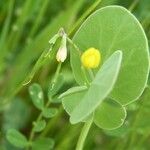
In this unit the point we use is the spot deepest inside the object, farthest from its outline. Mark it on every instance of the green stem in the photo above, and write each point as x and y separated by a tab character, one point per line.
6	27
57	73
52	123
80	20
87	82
74	45
37	120
133	5
91	74
39	18
84	134
32	133
66	139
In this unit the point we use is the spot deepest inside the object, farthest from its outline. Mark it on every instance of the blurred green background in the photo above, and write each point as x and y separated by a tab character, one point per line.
25	29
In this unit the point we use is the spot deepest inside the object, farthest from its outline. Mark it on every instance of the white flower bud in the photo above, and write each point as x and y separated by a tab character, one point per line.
62	52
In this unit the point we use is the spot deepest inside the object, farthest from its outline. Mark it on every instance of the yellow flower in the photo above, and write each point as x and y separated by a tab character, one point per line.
91	58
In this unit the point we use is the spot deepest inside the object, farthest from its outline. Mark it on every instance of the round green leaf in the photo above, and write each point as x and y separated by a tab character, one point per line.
99	89
54	88
109	115
49	112
16	138
43	144
119	132
39	126
109	29
36	94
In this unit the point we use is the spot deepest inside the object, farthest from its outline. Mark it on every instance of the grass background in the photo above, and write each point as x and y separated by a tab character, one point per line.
25	29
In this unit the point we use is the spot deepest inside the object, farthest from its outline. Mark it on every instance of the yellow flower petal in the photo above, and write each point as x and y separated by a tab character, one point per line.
91	58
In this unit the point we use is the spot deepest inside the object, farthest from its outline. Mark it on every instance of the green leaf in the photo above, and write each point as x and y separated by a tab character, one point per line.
36	94
72	100
54	88
54	39
39	126
49	112
99	89
109	115
19	111
108	29
73	90
119	132
43	144
16	138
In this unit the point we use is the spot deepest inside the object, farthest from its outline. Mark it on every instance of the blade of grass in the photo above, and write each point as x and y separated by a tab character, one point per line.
39	18
5	30
15	35
84	16
133	5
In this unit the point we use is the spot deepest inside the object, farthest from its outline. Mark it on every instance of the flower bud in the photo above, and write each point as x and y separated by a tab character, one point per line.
62	52
91	58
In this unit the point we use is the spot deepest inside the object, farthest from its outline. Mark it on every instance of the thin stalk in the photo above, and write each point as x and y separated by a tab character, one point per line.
15	34
39	18
4	33
32	133
84	134
133	5
51	123
74	45
57	73
80	20
72	133
6	25
37	120
87	82
91	73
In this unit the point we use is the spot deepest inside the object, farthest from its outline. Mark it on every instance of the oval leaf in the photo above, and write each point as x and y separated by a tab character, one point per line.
54	88
49	112
16	138
108	29
36	94
109	115
43	144
99	89
72	100
73	90
39	126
